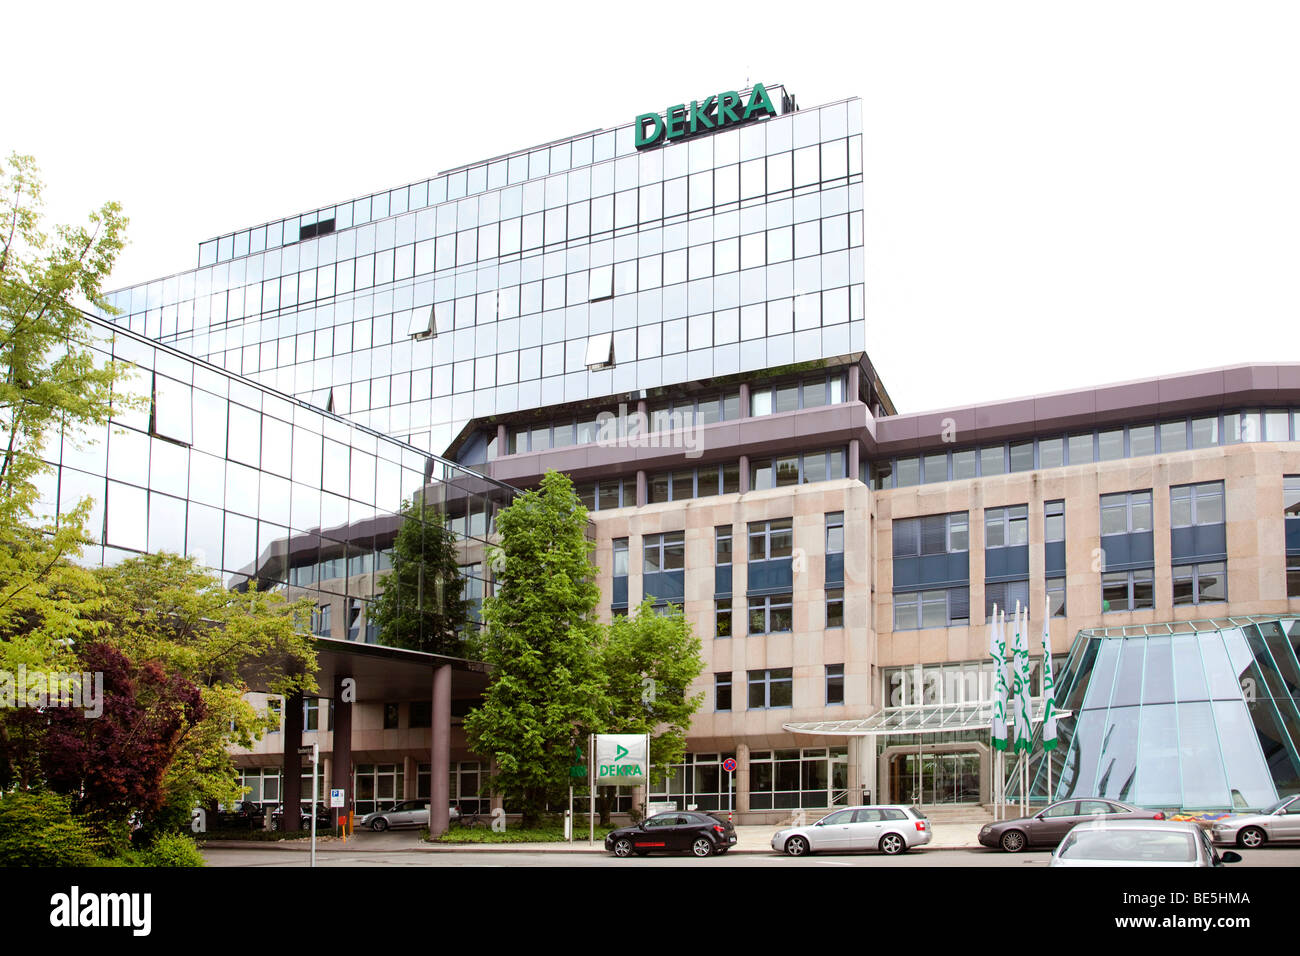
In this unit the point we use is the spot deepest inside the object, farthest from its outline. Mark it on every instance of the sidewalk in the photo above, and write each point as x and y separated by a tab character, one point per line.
749	839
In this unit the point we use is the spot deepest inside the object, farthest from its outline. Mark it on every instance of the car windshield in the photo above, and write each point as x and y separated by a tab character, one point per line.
1278	806
1137	846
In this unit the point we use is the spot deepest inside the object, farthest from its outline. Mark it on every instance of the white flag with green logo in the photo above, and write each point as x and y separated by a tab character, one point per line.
621	760
1020	650
998	651
1049	692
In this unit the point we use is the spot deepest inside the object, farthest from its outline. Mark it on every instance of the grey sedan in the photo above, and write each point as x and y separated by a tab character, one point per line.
1280	822
889	829
408	813
1048	827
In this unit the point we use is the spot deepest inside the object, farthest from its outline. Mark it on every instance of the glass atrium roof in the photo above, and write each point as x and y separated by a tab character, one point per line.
1192	714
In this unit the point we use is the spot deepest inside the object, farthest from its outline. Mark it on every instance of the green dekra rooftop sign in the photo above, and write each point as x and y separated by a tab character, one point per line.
716	112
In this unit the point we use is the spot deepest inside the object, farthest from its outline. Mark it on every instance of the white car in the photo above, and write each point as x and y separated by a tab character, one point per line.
1152	843
889	829
1280	822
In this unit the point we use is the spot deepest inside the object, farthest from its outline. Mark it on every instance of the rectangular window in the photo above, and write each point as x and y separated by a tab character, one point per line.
722	545
1005	594
835	533
390	716
1056	597
722	617
1006	527
722	691
771	539
834	683
771	688
1200	583
932	534
421	713
1126	512
1196	504
1128	590
834	607
1053	521
311	714
620	557
664	552
942	607
771	613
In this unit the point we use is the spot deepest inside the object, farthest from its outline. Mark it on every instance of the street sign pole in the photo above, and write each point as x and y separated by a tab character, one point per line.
314	750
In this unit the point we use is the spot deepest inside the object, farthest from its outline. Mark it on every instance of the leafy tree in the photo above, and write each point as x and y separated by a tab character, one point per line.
50	382
543	641
422	605
649	660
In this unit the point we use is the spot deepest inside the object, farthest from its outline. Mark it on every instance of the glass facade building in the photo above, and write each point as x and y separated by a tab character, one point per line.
258	487
584	269
1202	715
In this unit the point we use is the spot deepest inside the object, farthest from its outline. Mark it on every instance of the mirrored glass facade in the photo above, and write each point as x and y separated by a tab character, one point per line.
1199	715
488	290
259	487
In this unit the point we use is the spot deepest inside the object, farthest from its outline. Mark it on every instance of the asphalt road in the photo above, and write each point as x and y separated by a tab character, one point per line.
1269	856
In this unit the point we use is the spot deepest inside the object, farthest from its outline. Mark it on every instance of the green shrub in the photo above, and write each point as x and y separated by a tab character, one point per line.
172	849
38	829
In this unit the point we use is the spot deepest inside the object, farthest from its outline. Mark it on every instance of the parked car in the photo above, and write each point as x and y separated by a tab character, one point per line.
324	817
407	813
1048	826
1154	843
678	831
1280	822
889	829
242	816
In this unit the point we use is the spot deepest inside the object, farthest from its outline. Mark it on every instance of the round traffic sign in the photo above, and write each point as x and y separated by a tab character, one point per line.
729	765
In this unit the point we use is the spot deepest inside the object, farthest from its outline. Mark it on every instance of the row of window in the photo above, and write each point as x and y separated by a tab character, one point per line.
774	688
579	168
1109	444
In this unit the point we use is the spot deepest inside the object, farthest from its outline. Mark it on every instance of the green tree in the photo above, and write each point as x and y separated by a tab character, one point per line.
51	382
543	641
422	605
649	660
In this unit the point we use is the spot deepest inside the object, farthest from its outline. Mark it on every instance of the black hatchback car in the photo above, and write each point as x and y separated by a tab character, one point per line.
677	831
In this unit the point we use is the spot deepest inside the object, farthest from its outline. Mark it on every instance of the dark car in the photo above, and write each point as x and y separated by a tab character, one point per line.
675	832
243	816
1048	827
324	818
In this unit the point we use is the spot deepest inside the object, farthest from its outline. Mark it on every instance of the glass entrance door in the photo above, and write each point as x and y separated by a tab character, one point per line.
932	779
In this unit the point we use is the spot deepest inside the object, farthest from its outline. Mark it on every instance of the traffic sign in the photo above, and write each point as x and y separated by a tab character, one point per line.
336	799
729	765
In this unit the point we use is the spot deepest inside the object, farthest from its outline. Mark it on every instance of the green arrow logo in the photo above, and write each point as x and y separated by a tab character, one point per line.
620	751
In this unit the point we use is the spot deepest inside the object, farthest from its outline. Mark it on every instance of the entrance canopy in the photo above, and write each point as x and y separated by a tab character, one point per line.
936	719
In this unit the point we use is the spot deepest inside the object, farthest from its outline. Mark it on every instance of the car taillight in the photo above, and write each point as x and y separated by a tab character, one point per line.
718	829
920	826
1159	815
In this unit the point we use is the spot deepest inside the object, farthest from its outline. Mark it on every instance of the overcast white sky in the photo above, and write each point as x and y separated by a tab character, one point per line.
1057	195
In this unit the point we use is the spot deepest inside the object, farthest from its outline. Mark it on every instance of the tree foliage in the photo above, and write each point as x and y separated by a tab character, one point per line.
543	641
558	674
422	605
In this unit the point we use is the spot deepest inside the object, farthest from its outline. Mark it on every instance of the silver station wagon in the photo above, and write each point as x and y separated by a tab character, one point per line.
889	829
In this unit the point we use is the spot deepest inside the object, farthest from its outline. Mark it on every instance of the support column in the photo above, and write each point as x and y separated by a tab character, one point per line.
744	402
744	474
855	377
410	778
642	494
862	770
742	778
440	755
855	454
291	766
341	778
502	438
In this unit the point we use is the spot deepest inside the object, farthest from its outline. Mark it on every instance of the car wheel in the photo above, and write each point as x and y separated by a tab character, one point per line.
379	824
1251	837
623	847
892	843
1013	841
702	847
797	846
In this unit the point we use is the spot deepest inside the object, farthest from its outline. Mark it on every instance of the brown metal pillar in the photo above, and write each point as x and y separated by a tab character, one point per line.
342	769
291	767
440	757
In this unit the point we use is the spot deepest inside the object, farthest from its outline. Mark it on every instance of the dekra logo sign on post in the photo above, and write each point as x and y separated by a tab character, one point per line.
716	112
